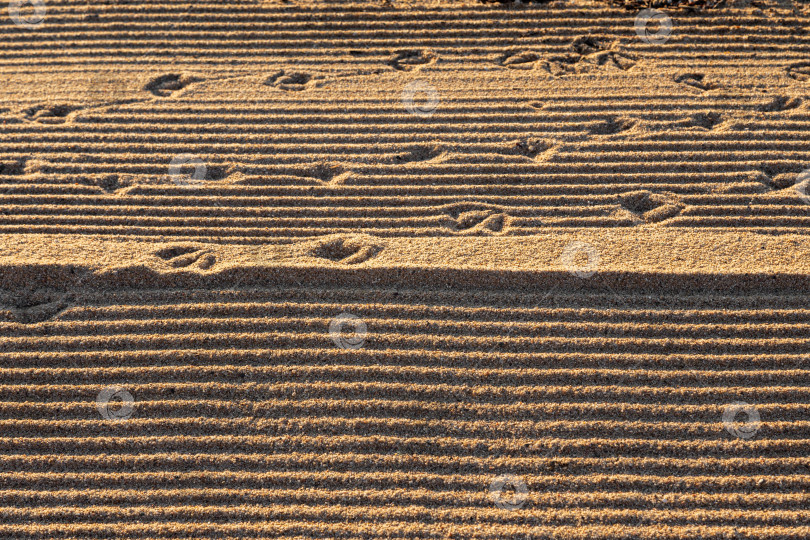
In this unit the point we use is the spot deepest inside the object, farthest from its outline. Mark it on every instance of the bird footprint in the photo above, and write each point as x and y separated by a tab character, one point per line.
799	72
585	52
781	103
707	120
697	80
411	60
294	81
33	306
473	218
327	172
187	256
168	84
649	207
612	126
616	59
49	114
598	52
343	249
585	45
531	148
420	153
561	65
518	60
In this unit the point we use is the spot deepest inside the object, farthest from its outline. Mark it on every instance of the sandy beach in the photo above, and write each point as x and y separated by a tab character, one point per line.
404	269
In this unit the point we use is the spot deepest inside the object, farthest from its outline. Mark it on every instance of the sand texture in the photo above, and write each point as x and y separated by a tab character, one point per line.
543	118
404	269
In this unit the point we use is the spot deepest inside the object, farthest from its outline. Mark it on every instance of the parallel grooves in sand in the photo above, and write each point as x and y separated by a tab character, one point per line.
236	433
604	134
249	419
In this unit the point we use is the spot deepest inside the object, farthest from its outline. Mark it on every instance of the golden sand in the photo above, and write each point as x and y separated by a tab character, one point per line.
404	269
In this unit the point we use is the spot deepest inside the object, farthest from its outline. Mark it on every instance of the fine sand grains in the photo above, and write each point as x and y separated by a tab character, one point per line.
392	412
274	121
404	269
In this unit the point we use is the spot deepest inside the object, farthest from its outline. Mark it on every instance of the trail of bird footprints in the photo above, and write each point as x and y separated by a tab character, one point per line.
340	179
33	305
585	54
163	86
344	249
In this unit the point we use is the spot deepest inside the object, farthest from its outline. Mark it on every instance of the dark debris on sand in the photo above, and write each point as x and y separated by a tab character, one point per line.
668	4
514	1
636	4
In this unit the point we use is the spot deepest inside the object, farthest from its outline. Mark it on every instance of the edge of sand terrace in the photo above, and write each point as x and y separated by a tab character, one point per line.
647	260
